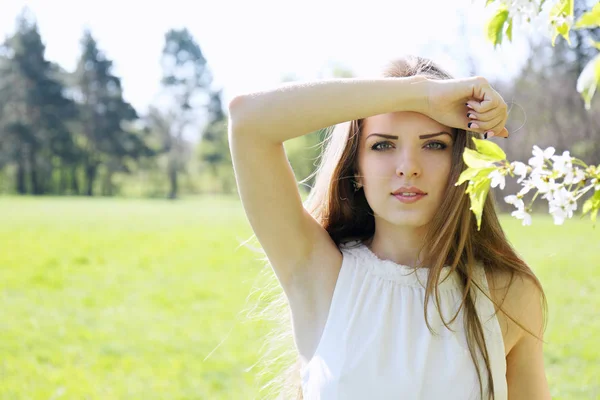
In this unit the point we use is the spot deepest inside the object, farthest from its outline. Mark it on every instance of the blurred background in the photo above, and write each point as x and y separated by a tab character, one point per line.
122	269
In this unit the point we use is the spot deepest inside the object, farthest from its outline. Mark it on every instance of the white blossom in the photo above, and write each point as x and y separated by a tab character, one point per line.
498	179
559	215
515	201
522	10
561	205
519	169
587	79
559	20
543	183
562	164
552	188
522	214
574	176
527	186
540	156
528	18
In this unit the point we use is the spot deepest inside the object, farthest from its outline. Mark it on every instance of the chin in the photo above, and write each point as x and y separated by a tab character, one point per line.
413	220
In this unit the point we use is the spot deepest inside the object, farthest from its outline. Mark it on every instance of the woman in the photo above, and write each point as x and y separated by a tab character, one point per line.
393	292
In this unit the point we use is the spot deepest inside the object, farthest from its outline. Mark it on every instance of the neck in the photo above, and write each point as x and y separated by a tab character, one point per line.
400	244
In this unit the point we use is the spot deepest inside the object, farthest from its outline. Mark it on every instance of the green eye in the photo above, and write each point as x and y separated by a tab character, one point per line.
436	145
376	146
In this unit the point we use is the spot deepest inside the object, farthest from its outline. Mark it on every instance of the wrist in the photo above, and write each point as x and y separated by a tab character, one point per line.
419	98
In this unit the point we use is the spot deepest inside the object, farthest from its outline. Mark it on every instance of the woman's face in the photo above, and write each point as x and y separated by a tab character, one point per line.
414	153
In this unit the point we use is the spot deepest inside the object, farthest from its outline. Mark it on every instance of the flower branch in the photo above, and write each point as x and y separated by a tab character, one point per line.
561	180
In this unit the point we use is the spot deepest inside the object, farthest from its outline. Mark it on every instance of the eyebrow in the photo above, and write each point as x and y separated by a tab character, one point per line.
428	136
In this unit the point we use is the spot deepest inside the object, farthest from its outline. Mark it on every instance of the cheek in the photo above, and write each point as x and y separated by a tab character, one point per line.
439	169
444	172
375	168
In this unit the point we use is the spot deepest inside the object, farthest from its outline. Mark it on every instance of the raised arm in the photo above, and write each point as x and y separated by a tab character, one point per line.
259	124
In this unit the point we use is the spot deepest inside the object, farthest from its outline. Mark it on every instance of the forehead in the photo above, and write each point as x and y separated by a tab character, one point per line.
407	122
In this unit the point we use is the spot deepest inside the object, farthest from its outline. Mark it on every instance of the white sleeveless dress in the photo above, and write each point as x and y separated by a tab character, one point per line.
376	345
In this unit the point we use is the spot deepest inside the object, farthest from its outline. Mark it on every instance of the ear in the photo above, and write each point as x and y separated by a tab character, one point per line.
358	178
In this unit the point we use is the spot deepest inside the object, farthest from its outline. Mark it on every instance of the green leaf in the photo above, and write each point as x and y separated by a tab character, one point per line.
467	175
490	149
474	159
592	205
590	19
562	30
478	193
481	163
564	8
587	206
472	174
496	26
589	80
488	2
509	29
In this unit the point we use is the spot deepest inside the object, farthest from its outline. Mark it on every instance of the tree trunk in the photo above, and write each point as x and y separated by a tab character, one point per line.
90	175
21	187
107	185
62	181
172	182
33	173
74	182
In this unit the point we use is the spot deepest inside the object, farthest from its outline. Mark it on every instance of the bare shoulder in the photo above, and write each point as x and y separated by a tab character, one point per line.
520	300
522	322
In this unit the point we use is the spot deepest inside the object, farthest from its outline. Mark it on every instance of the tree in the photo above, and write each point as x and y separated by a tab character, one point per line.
186	82
214	147
103	114
34	110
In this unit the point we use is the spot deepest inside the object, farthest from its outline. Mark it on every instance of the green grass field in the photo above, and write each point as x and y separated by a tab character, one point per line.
124	299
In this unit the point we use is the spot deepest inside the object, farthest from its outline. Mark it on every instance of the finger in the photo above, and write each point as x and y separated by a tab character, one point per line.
486	105
499	131
473	127
490	125
476	106
482	106
486	116
504	133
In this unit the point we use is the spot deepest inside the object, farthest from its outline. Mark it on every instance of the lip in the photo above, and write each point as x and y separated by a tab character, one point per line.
409	199
405	189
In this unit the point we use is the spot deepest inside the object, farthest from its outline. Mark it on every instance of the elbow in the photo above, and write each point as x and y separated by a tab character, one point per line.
235	103
235	113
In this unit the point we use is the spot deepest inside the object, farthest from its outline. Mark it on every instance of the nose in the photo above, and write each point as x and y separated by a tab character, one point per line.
409	165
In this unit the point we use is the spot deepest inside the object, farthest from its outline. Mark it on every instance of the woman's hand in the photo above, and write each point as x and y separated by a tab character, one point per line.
486	111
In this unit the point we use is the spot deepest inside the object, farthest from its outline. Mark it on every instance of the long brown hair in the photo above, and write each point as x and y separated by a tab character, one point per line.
452	239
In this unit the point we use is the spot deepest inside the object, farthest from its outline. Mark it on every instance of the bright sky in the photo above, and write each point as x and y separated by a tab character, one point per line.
251	45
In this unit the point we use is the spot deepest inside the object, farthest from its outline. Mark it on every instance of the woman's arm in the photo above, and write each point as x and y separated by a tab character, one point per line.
296	109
